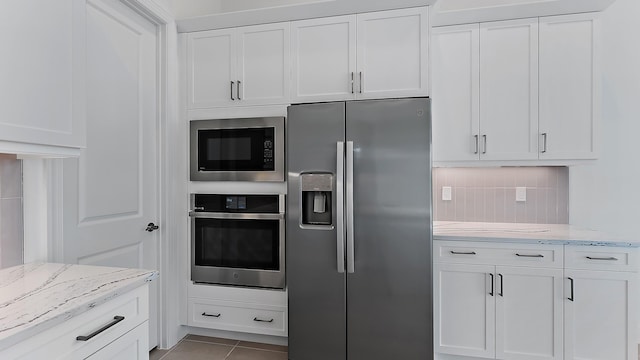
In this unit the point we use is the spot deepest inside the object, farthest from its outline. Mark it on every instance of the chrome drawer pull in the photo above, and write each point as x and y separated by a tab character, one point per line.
611	258
570	298
261	320
116	319
530	256
463	252
211	315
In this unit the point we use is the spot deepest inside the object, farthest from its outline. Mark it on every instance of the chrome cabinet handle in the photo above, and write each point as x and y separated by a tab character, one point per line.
352	81
570	298
491	292
232	90
611	258
116	319
484	149
477	144
340	205
360	82
462	252
544	143
501	293
530	256
262	320
238	90
211	315
351	267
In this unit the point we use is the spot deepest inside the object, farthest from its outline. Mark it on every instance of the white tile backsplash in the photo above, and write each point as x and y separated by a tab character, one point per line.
11	211
488	194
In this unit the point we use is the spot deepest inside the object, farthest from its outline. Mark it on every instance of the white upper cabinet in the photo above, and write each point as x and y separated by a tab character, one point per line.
241	66
516	90
324	59
392	53
365	56
42	72
509	90
455	84
569	86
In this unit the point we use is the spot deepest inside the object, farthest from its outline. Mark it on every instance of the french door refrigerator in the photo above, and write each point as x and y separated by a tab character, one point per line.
358	240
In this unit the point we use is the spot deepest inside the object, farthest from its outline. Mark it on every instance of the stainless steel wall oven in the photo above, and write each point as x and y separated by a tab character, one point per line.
238	240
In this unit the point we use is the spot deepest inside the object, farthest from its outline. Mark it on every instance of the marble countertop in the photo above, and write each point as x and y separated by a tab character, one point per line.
35	297
559	234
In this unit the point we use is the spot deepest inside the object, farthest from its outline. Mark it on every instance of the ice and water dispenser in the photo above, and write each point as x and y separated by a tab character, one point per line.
317	193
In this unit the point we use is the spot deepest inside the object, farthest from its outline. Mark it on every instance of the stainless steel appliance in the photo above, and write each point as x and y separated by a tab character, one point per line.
237	149
359	230
238	240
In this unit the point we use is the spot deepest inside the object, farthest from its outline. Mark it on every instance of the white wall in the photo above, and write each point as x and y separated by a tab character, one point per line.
606	195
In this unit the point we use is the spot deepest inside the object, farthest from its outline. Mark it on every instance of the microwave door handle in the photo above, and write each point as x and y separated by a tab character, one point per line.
246	216
340	206
351	267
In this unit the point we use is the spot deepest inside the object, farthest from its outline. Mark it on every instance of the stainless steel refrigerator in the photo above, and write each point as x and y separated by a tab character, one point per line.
358	240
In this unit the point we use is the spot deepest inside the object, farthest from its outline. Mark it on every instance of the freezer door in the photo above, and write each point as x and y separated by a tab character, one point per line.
316	287
389	291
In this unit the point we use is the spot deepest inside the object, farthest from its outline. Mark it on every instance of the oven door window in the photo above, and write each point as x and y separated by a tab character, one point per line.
242	244
249	149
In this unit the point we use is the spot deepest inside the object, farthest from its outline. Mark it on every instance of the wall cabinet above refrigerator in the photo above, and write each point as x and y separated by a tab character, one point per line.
517	90
42	72
371	55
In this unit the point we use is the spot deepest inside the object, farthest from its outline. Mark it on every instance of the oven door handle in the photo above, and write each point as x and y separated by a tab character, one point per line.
242	216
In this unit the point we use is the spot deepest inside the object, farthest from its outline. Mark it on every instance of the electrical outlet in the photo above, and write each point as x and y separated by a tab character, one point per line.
446	193
521	194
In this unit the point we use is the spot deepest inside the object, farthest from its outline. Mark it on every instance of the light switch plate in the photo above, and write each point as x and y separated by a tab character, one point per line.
521	194
446	193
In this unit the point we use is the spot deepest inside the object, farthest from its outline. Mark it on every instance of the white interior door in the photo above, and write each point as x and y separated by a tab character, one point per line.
110	192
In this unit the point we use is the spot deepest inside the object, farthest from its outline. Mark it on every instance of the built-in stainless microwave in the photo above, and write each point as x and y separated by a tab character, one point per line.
247	149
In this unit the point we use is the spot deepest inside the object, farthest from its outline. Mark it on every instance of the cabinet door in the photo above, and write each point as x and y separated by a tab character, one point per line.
464	310
130	346
263	64
392	53
600	318
528	313
569	86
324	59
509	90
42	75
455	84
211	68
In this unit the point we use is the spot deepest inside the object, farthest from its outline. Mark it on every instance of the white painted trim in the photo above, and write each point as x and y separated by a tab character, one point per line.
37	150
293	12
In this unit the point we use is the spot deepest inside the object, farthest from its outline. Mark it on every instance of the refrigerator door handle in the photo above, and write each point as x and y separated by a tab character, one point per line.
340	205
351	268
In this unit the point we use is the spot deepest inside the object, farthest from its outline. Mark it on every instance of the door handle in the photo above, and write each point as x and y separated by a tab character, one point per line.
544	143
211	315
530	255
340	206
477	144
238	90
352	81
151	226
501	293
610	258
484	149
351	267
262	320
360	82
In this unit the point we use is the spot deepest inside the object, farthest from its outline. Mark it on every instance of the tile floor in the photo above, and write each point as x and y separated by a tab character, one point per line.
194	347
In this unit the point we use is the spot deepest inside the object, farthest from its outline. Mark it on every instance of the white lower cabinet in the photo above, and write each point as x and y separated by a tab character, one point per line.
117	329
525	302
600	320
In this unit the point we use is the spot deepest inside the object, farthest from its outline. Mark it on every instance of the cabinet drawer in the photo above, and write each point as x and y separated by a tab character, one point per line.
234	316
601	258
60	341
492	253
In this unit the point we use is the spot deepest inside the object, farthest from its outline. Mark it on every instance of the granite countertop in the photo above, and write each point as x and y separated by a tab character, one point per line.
559	234
35	297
